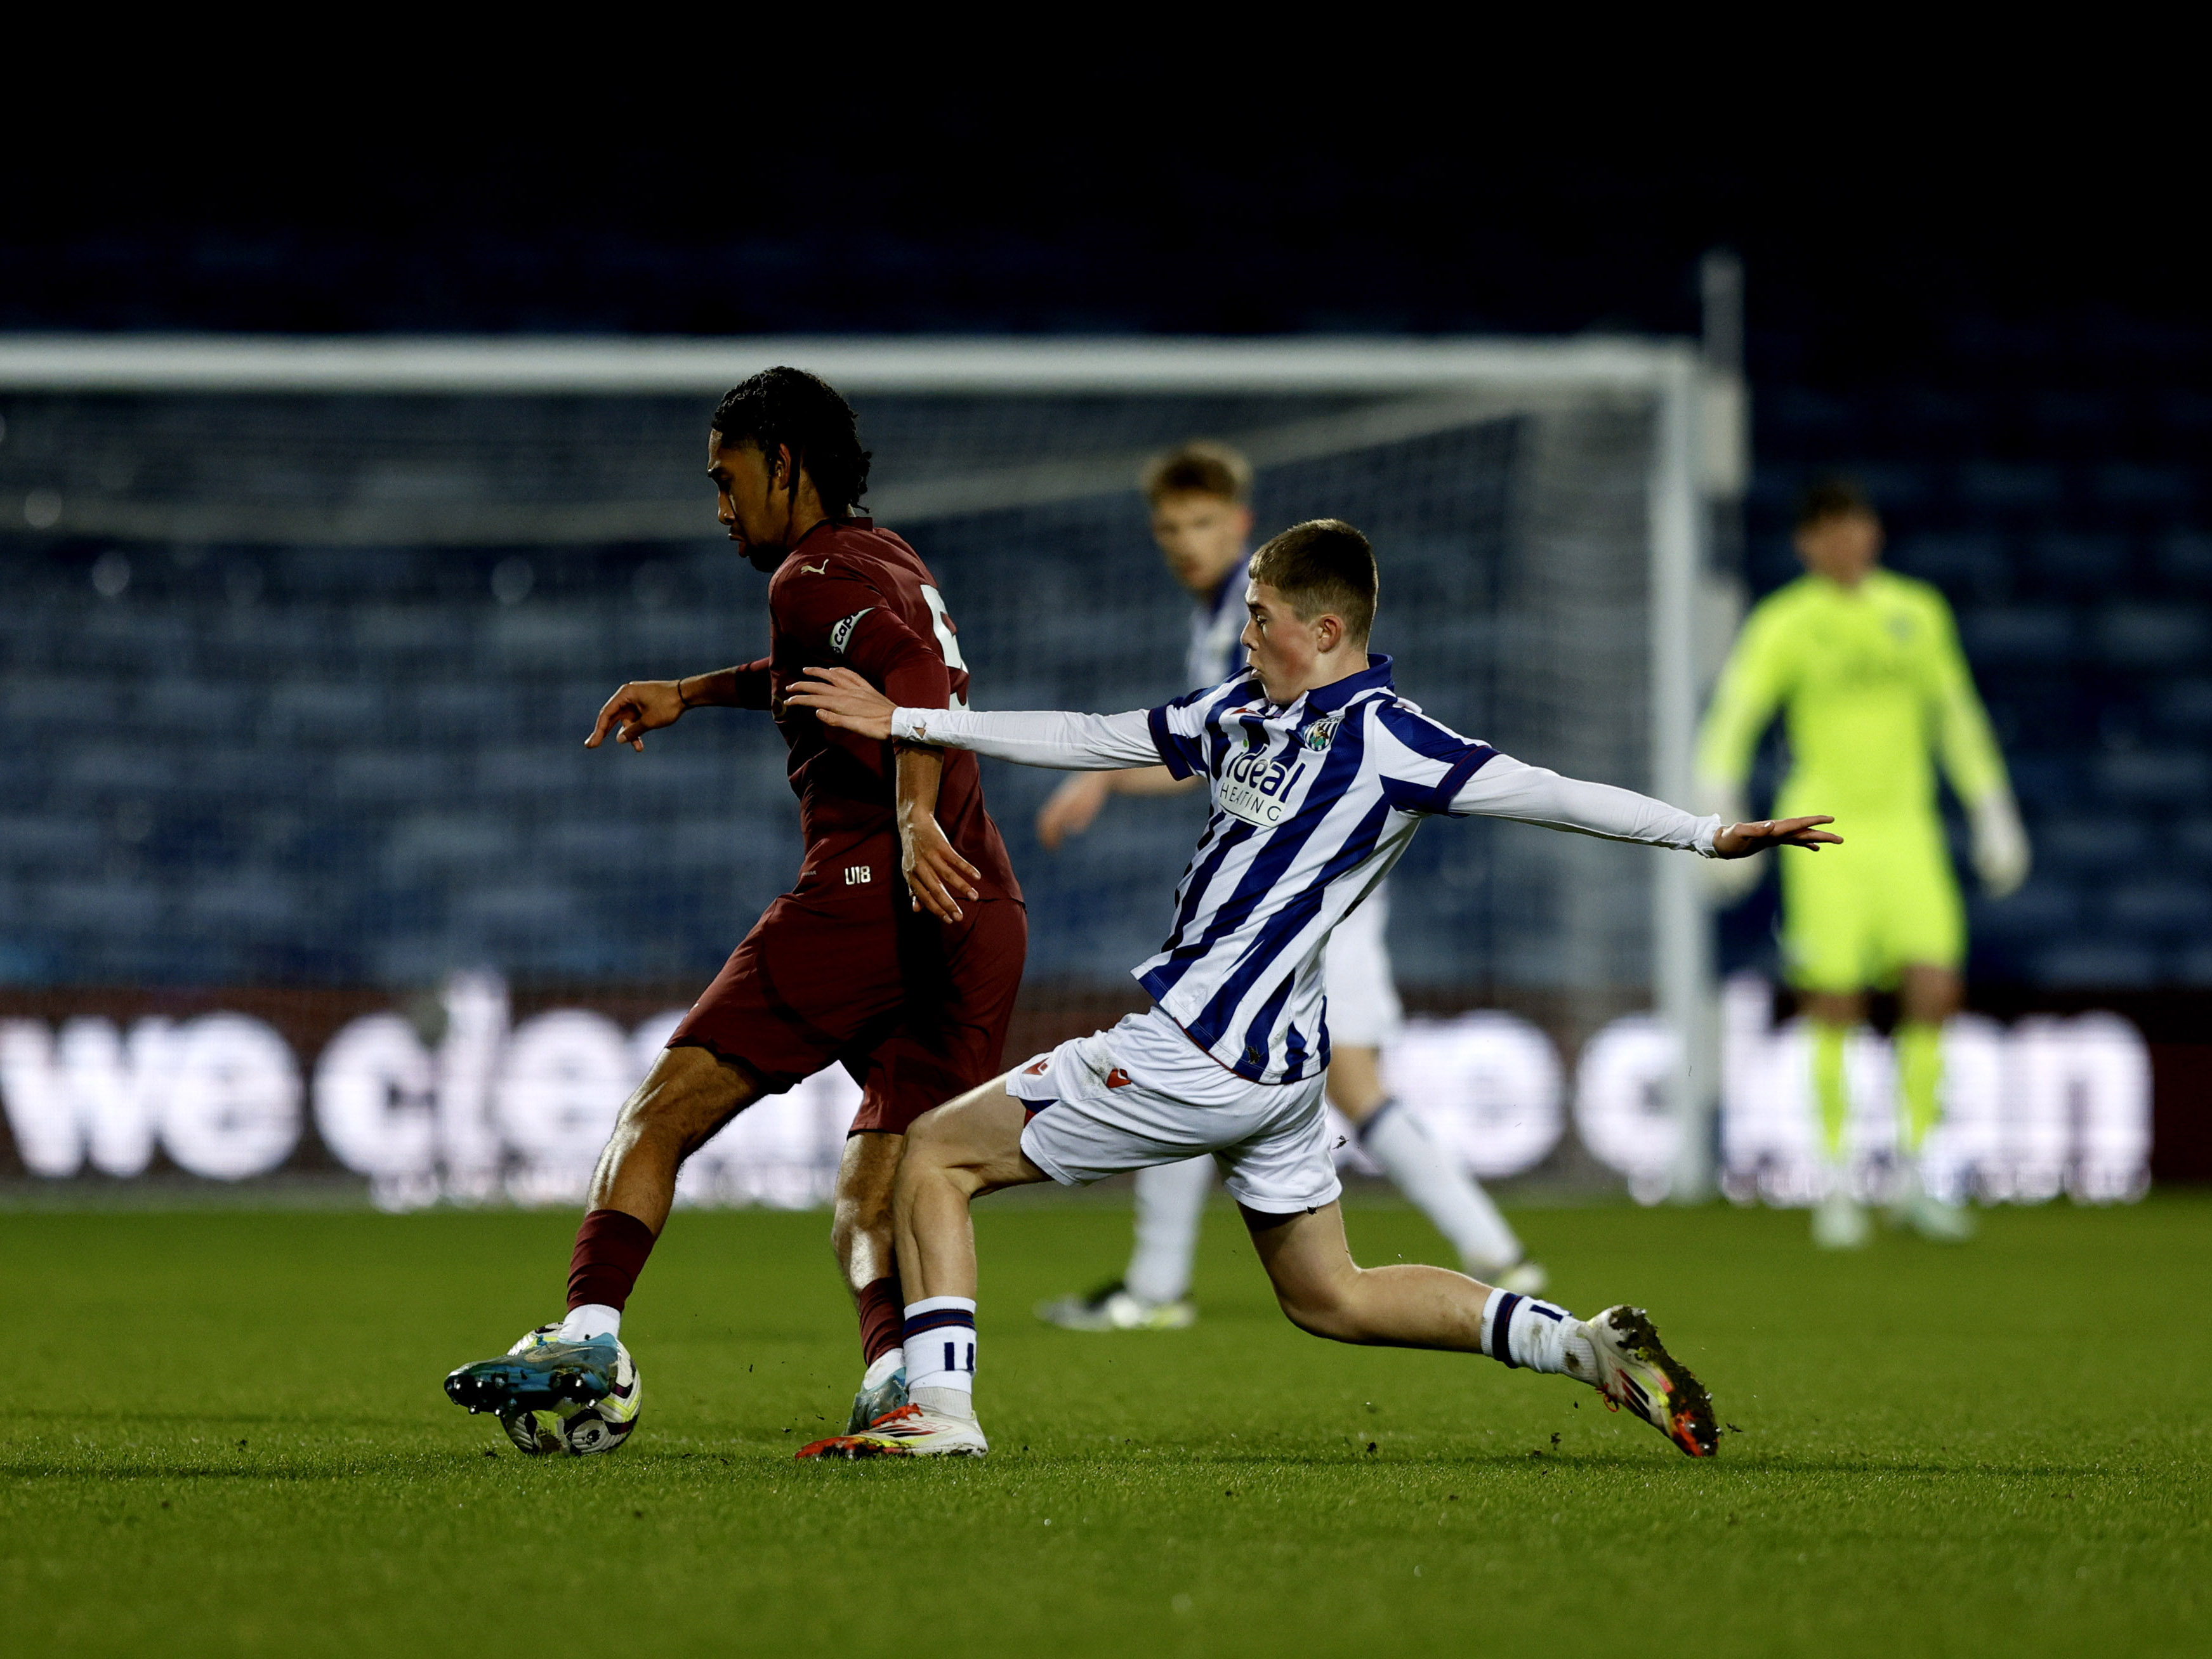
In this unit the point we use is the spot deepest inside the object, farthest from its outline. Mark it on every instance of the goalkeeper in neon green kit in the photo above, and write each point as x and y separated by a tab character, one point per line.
1864	667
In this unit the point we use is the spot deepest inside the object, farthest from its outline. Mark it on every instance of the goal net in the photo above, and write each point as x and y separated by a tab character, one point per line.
304	641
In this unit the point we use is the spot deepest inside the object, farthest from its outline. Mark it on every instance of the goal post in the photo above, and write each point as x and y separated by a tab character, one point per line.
1539	506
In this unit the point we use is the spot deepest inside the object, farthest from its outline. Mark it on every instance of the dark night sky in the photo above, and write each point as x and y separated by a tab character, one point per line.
1869	247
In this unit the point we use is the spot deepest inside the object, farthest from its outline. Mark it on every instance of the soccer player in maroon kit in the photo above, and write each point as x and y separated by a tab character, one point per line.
897	953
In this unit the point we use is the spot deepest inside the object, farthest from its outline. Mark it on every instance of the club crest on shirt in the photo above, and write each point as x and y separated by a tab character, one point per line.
1321	733
842	634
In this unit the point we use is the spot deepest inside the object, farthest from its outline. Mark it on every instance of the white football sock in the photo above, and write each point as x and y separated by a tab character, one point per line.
1461	1211
881	1372
592	1319
1540	1335
1171	1199
940	1354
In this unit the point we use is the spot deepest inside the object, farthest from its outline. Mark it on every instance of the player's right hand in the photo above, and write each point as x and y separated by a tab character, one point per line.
934	869
640	707
1072	808
1741	841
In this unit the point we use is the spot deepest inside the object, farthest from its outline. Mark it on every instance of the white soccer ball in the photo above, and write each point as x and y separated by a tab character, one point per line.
578	1429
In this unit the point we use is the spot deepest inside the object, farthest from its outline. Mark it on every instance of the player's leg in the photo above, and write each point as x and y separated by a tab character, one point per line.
948	1040
1453	1200
1363	1015
537	1386
790	996
1925	933
951	1156
1324	1292
1826	946
866	1250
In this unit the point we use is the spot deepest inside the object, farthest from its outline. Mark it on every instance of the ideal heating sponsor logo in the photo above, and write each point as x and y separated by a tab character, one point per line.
1261	788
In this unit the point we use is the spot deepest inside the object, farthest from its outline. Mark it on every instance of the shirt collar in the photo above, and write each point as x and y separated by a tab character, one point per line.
1375	677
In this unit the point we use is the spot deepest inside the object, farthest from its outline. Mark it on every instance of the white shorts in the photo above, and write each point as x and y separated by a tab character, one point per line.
1145	1094
1363	1010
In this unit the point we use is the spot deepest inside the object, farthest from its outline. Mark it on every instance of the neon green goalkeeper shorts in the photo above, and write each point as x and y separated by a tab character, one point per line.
1852	916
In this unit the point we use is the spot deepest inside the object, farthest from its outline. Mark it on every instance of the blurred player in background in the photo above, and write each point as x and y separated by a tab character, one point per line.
898	951
1201	500
1864	667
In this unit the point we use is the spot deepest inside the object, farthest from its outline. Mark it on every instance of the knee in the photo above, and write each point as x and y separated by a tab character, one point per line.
933	1146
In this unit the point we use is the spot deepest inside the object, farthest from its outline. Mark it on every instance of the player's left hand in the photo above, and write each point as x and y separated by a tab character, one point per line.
934	869
840	697
1741	841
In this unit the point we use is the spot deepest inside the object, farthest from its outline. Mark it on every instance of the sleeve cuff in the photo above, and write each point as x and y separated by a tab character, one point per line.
1708	827
1170	750
911	725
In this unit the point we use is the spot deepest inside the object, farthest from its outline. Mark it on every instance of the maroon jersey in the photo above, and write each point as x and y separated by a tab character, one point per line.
855	595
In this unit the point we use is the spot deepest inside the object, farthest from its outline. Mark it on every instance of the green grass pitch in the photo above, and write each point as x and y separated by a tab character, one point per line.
224	1433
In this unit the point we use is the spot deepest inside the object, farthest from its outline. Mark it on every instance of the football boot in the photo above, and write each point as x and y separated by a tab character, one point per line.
909	1431
1914	1206
1839	1222
1633	1369
541	1372
877	1400
1113	1308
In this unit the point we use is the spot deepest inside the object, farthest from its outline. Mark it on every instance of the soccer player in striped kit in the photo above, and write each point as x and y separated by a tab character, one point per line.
1200	496
1320	774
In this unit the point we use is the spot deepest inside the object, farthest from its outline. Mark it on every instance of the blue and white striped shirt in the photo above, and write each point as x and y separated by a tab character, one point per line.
1313	802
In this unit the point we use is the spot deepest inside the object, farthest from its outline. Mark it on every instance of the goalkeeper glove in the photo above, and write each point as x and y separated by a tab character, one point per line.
2000	854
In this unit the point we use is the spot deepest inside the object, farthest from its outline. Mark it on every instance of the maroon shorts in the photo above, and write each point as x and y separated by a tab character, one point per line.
914	1008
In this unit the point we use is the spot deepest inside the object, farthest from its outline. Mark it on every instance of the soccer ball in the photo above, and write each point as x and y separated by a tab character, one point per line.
578	1428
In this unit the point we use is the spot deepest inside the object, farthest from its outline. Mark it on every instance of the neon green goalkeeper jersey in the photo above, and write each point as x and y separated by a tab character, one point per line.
1872	688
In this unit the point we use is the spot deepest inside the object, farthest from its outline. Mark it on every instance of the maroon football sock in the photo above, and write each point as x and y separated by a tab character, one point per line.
882	1319
612	1247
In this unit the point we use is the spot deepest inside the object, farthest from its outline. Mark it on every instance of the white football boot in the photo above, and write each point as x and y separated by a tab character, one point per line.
909	1431
1113	1308
1839	1222
1913	1206
1636	1371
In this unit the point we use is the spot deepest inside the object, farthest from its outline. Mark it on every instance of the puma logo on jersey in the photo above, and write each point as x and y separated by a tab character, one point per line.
842	634
821	569
1118	1078
858	875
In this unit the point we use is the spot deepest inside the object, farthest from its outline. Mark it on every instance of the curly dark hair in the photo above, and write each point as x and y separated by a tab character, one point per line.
785	405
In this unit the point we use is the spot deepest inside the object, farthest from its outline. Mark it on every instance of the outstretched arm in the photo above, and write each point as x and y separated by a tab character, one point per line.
644	706
1504	787
1076	743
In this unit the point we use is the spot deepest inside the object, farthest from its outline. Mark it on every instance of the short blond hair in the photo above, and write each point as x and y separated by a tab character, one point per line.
1200	468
